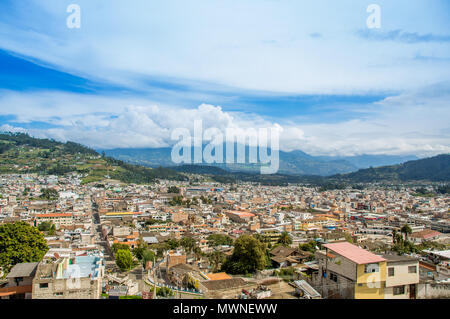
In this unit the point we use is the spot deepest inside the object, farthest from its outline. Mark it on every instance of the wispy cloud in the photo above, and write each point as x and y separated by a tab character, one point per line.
428	58
315	35
409	123
132	73
401	36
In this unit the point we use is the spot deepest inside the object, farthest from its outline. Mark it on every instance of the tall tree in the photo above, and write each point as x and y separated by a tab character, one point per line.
216	259
249	255
19	243
285	239
188	243
406	229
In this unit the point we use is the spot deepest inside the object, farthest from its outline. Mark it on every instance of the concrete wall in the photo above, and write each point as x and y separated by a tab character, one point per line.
85	288
364	291
346	272
401	274
433	291
389	293
339	265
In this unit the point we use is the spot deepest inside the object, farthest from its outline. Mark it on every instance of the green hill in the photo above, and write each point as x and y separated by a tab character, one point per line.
434	169
21	153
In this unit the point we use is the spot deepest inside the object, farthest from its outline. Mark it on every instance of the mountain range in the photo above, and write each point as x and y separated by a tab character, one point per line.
21	153
291	163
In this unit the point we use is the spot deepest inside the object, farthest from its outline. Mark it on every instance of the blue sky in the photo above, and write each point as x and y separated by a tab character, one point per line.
133	73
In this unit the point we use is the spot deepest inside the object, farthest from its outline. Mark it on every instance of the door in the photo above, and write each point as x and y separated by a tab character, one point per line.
412	291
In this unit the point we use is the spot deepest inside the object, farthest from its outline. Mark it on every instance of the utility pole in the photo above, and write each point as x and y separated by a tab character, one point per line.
154	282
326	271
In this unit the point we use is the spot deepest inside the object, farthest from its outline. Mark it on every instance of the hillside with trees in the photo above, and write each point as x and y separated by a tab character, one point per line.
434	169
22	154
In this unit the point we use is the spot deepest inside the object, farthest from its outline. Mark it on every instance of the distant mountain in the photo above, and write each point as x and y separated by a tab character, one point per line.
201	170
291	163
21	153
435	169
366	161
152	157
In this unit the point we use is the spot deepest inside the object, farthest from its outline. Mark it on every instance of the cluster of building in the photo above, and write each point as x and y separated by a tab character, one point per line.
89	219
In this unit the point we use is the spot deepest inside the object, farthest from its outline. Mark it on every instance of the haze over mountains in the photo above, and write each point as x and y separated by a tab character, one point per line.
294	163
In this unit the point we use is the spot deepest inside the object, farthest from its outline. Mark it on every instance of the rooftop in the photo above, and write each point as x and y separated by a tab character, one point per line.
354	253
23	270
398	258
441	253
218	276
224	284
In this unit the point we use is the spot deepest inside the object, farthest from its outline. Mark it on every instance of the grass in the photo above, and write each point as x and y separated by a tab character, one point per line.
130	297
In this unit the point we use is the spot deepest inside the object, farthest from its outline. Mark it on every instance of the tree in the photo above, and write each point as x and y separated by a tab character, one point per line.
173	190
164	292
19	243
285	239
215	240
311	246
124	259
261	238
348	238
160	249
197	252
248	256
140	248
216	259
52	229
173	243
49	194
44	226
148	255
115	247
188	243
406	229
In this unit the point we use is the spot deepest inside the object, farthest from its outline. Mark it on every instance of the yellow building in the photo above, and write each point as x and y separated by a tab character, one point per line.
350	272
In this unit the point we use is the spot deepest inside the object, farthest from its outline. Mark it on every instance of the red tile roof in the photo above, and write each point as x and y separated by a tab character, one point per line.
53	215
425	234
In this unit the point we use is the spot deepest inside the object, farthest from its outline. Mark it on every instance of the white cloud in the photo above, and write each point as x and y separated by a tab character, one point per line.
412	123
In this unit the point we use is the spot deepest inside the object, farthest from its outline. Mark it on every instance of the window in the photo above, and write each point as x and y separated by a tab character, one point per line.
399	290
391	272
59	294
412	269
369	268
333	277
43	285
